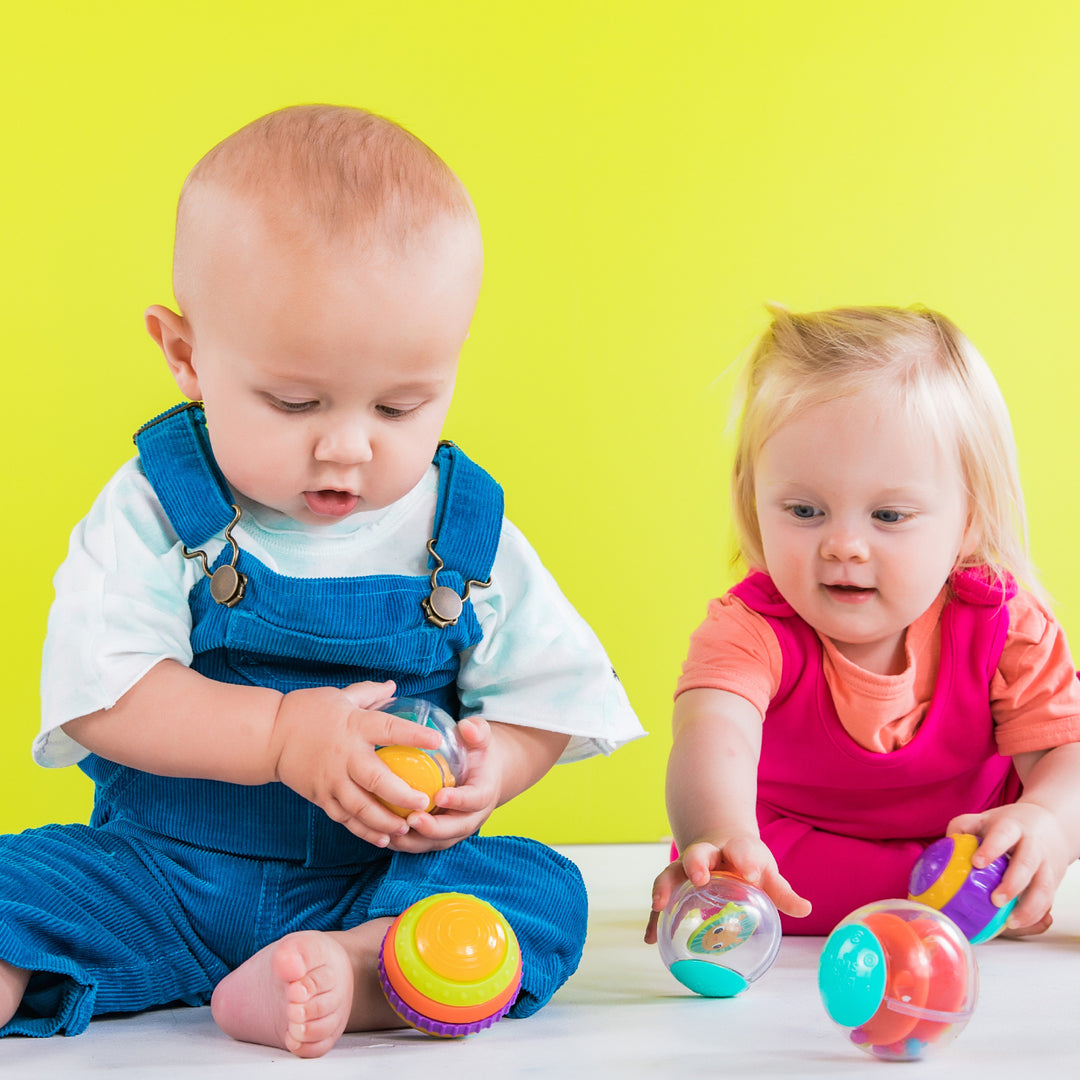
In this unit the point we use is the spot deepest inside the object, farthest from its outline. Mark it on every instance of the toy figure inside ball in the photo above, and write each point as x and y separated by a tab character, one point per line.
428	771
944	878
717	939
899	979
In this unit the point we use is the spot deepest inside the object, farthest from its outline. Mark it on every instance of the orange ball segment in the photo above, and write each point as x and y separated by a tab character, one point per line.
419	770
450	965
427	771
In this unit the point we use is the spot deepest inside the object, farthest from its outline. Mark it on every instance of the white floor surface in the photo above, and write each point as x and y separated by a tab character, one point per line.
623	1016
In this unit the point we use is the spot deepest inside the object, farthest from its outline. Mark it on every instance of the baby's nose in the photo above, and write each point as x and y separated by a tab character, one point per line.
345	444
845	543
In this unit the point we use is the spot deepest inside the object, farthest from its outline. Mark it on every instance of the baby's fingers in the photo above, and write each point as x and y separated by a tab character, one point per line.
749	858
1033	907
376	825
998	837
667	881
467	799
370	695
650	927
385	729
997	834
698	862
378	790
784	896
1039	927
475	732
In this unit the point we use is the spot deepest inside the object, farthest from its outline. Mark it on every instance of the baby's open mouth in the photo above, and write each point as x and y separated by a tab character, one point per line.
330	503
849	592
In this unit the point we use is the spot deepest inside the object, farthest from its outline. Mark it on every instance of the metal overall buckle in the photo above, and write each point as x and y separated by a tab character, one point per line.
227	584
443	606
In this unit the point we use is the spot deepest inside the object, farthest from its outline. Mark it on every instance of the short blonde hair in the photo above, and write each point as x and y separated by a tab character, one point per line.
931	372
340	171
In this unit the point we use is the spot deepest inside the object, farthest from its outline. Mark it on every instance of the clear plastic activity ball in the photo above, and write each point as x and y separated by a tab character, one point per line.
717	939
944	878
899	979
428	771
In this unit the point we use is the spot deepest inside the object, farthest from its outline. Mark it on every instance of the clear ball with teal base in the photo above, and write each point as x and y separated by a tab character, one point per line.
718	938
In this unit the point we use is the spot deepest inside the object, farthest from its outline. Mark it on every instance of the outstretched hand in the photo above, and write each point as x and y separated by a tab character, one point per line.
746	856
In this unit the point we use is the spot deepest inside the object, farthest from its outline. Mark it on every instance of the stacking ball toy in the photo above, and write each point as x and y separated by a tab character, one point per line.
944	878
428	771
899	979
716	939
450	965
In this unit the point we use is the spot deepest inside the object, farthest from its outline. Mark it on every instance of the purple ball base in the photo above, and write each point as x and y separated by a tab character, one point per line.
970	907
425	1023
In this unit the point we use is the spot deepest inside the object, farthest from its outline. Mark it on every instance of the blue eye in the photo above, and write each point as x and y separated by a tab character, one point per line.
890	517
803	511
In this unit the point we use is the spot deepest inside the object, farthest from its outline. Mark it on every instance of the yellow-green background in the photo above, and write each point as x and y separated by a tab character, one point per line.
647	175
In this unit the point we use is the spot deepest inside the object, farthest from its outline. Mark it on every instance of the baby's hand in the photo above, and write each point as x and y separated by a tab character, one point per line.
746	856
462	810
1038	859
323	744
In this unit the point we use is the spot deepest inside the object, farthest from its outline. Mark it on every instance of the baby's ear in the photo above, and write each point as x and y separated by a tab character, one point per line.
172	333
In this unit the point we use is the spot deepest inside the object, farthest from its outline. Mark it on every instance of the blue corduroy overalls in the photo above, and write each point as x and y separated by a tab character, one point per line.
175	882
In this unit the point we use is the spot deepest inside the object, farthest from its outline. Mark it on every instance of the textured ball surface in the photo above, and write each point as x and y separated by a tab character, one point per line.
943	878
899	979
450	965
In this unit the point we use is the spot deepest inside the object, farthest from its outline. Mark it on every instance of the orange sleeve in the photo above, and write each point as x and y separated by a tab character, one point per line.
1034	695
734	649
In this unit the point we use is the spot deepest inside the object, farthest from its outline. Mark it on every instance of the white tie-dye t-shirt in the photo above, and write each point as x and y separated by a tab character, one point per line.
122	606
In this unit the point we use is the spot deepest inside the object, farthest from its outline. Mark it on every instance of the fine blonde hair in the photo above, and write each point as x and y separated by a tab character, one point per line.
338	171
929	370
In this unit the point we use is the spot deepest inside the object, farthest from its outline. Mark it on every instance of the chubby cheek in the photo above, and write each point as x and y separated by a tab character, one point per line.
252	462
792	568
782	552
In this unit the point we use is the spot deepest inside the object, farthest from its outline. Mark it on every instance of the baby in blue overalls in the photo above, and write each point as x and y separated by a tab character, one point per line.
292	547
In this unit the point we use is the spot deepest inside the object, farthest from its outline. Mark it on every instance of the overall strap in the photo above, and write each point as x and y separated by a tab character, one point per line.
468	515
174	449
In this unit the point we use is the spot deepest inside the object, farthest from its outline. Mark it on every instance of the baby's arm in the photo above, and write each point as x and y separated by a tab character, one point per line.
542	677
1041	830
503	761
711	799
319	742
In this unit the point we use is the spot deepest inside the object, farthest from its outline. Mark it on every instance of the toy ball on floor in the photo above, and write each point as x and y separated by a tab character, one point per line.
717	939
944	878
899	979
450	965
428	771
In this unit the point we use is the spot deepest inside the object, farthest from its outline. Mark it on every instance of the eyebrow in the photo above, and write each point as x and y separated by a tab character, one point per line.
415	384
800	489
303	382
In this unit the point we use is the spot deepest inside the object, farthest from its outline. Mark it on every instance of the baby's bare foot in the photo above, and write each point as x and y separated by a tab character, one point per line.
296	993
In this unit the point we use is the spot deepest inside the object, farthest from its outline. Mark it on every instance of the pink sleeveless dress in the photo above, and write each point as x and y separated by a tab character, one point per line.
847	824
